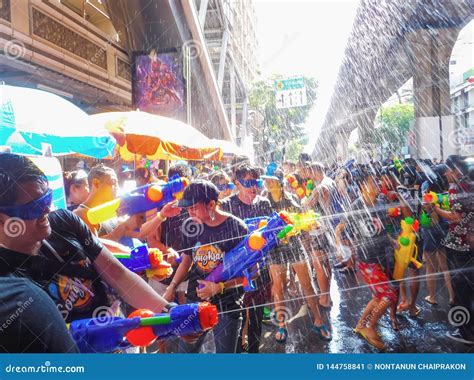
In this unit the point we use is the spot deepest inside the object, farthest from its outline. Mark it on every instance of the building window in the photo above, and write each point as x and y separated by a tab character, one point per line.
5	10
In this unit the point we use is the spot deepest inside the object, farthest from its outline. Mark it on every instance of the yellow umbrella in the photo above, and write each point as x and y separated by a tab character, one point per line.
229	148
156	137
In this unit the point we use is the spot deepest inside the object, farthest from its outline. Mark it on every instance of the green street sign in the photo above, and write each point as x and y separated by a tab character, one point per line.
289	84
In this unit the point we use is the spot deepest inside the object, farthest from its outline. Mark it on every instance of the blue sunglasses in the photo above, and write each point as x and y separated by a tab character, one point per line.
31	210
229	186
249	183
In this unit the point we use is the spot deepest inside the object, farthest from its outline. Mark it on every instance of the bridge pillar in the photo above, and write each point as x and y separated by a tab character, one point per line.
430	51
342	146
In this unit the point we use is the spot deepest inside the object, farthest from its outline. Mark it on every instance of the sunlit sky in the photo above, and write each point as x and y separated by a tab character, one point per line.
305	38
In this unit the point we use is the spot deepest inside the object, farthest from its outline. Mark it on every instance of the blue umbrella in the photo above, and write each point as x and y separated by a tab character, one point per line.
31	118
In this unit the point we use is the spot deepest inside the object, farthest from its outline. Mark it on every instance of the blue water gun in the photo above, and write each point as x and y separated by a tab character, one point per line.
142	327
148	260
141	199
255	223
242	259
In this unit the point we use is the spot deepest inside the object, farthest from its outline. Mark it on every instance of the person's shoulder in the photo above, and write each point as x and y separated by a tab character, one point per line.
236	222
263	200
62	216
18	289
227	202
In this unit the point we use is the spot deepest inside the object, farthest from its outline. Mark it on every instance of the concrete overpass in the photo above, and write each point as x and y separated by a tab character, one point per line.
391	42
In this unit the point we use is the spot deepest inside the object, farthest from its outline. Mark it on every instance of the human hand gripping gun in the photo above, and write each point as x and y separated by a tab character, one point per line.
442	200
243	259
141	199
148	260
142	327
408	251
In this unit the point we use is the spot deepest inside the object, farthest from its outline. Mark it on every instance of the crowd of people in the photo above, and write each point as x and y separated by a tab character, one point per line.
63	263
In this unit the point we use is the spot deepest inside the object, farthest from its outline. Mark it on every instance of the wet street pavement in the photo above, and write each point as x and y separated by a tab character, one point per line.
425	333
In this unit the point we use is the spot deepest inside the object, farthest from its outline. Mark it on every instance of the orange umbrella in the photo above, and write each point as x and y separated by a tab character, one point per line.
156	137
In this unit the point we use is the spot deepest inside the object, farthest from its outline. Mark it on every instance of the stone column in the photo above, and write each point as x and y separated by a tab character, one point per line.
429	51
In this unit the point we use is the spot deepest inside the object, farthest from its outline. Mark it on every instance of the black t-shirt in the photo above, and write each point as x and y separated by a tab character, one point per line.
68	252
290	204
172	236
30	321
209	247
368	229
260	207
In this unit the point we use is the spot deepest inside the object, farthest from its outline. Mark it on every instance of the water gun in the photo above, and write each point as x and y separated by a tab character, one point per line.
408	251
144	259
439	199
305	221
295	185
300	222
256	223
243	258
425	220
394	212
142	199
142	327
390	195
397	163
300	190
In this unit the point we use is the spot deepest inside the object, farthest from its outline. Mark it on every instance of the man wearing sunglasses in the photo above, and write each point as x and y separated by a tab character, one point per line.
57	251
247	203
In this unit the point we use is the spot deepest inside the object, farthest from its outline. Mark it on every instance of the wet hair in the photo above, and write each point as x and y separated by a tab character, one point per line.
76	177
361	175
180	169
244	170
239	160
14	171
99	171
316	167
458	164
144	173
219	176
304	158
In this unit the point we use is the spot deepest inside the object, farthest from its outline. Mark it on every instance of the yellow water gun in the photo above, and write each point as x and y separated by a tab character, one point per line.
442	200
408	251
300	222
